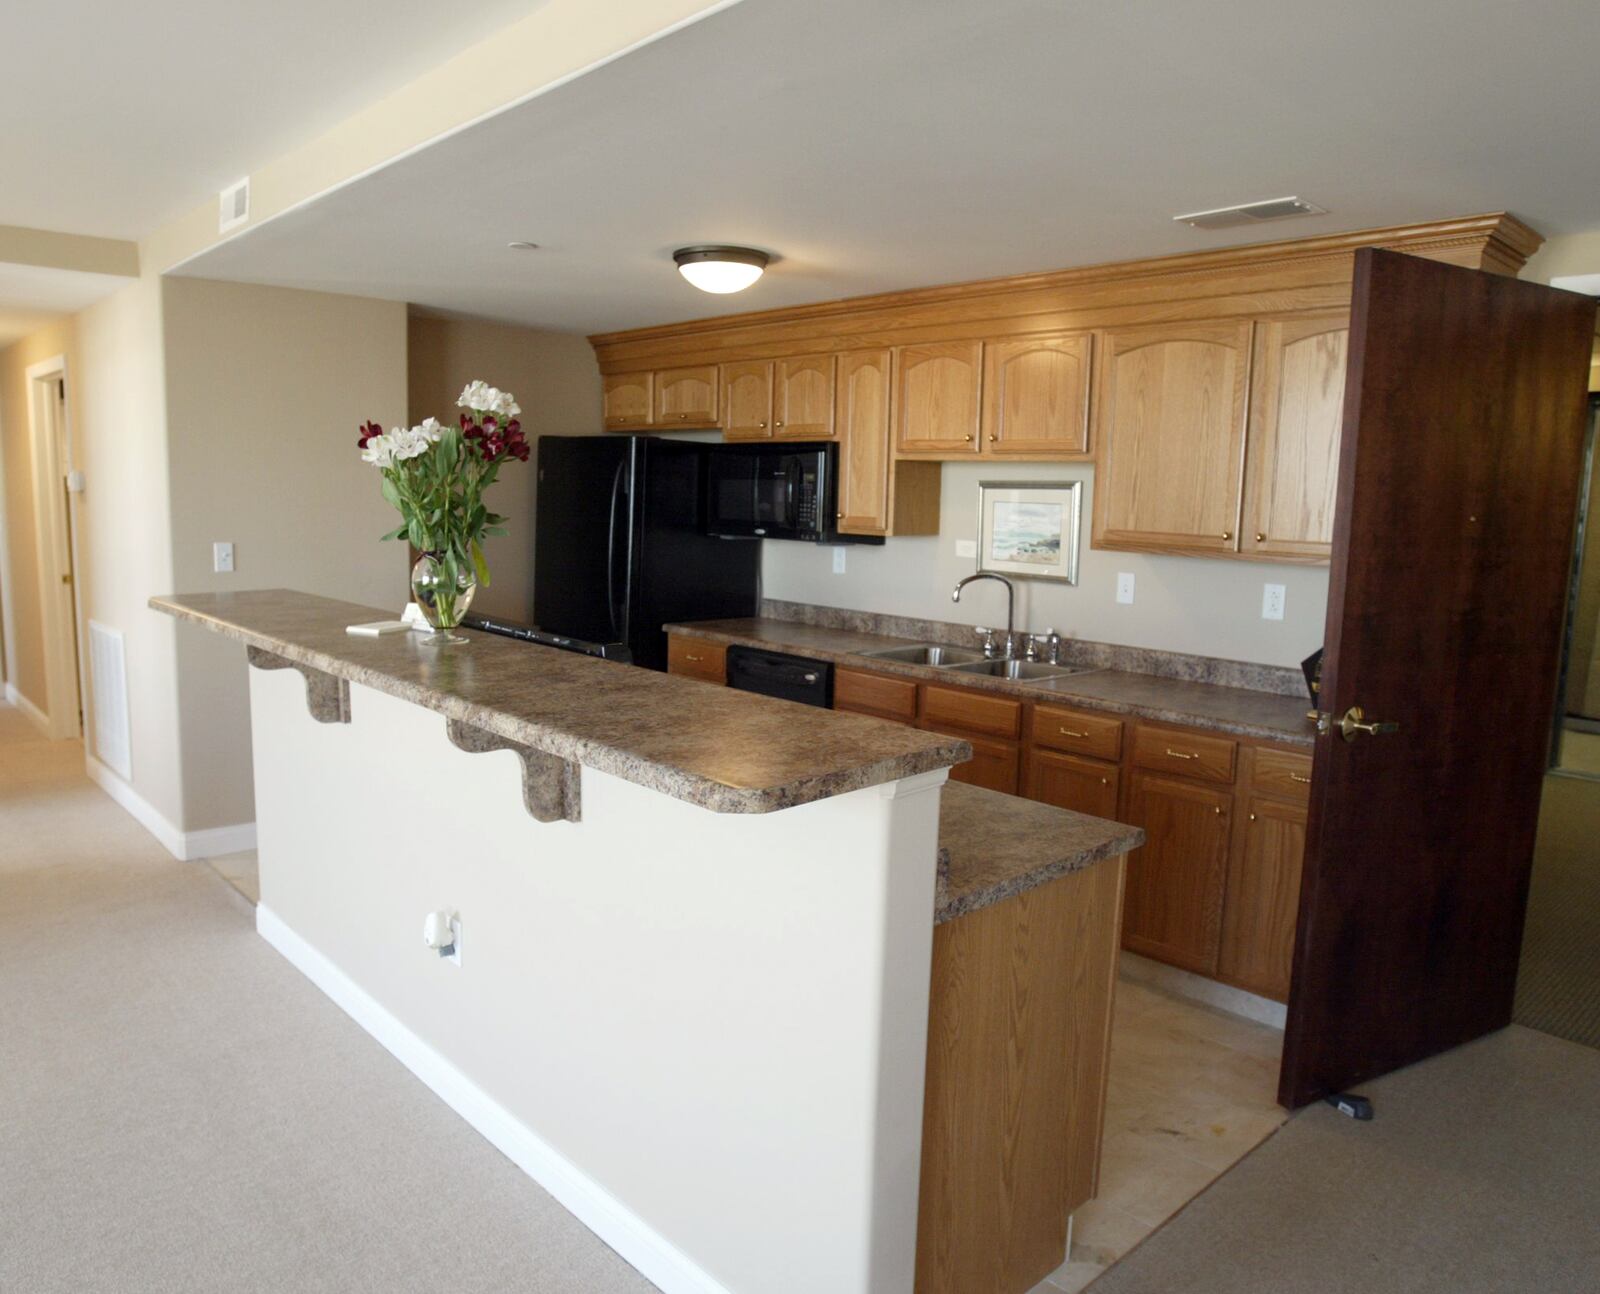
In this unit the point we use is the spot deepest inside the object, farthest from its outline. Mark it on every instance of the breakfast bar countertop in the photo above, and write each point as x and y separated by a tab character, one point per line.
994	846
1237	711
730	752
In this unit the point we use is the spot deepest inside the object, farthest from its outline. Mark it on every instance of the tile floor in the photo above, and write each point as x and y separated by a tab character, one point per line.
1191	1091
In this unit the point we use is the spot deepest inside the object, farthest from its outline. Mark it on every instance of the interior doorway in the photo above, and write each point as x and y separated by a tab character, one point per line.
1575	738
55	482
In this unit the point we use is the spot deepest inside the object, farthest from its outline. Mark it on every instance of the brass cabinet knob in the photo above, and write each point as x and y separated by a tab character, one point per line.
1217	810
838	516
777	424
968	439
1252	817
1260	538
761	424
1227	535
1105	781
993	438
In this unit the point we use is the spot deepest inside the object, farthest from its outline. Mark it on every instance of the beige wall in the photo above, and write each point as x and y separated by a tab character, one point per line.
1202	606
265	388
22	630
557	382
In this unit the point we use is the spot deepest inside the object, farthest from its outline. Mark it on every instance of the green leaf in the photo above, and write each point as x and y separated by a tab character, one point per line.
414	531
480	564
391	492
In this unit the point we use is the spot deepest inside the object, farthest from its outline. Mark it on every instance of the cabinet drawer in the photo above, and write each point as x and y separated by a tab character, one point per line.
1178	750
888	698
1082	785
971	711
697	658
994	764
1281	772
1073	730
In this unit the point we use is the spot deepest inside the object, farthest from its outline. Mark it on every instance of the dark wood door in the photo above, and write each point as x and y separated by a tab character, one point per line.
1173	908
1458	479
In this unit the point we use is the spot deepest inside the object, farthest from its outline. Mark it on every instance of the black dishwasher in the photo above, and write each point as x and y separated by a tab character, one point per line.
792	678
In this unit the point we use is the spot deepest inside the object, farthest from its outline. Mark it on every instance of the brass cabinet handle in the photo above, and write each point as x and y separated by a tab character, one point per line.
691	656
1295	777
1073	732
1178	754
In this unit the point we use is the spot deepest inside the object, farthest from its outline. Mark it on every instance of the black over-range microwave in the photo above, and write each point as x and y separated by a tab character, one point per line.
776	491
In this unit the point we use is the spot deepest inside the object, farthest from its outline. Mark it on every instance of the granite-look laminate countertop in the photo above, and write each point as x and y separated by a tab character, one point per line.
994	846
731	752
1237	711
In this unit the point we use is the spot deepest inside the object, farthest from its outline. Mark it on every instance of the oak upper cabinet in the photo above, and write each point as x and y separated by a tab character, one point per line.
1263	908
1036	396
686	397
802	398
1292	452
625	401
877	496
1177	878
1170	425
937	385
747	401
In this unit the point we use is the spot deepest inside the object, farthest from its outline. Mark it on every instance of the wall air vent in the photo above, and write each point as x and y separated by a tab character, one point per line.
1250	213
233	206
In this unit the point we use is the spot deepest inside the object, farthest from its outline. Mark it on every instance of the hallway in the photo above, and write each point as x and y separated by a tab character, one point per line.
182	1111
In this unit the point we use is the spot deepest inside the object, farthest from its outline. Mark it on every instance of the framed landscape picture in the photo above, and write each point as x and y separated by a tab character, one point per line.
1029	529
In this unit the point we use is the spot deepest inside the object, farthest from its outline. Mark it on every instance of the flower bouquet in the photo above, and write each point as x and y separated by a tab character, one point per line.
436	476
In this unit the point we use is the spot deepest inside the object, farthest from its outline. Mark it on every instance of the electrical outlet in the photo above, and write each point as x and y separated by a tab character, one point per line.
838	560
1272	599
1125	587
966	548
222	556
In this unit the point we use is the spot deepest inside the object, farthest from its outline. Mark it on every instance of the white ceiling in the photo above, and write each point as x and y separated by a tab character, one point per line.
31	296
879	144
122	116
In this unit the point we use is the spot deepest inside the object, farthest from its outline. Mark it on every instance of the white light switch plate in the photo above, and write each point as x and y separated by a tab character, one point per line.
838	561
222	556
1272	600
1125	587
966	548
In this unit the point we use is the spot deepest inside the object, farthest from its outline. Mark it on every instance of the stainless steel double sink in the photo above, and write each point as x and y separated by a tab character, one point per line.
963	660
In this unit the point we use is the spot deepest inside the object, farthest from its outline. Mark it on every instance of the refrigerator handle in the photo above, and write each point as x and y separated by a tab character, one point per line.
611	551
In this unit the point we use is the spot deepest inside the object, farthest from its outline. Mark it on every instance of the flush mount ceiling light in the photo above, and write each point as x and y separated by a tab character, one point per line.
1249	213
521	246
720	269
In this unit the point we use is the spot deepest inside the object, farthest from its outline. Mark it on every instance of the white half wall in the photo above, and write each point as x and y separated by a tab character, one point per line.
704	1033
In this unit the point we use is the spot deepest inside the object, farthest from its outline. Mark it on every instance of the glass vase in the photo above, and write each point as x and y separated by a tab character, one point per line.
443	601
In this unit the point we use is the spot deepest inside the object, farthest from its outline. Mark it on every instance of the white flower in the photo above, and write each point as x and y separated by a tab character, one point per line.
412	443
431	428
380	449
483	398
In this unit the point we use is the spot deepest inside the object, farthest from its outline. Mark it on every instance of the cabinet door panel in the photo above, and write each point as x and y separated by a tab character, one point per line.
1067	782
1263	904
747	401
1176	878
686	397
802	398
993	763
936	397
1036	397
1171	437
862	418
626	401
1296	416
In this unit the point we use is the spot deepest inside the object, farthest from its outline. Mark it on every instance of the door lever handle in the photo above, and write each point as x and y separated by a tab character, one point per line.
1355	723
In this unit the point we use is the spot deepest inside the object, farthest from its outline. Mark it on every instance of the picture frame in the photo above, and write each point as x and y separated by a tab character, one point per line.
1030	529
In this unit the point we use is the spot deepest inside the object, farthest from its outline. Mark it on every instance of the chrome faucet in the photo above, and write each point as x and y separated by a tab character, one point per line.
1011	608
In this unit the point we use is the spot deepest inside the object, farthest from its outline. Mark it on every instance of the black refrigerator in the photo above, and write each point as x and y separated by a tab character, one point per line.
620	547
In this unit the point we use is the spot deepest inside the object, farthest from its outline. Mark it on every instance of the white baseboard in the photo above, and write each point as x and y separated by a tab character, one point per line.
1207	992
638	1243
185	846
39	718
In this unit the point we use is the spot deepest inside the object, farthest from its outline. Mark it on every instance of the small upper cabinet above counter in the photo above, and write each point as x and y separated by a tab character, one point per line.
1206	388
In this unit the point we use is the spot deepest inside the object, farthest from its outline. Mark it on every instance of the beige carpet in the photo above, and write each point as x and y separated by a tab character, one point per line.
181	1111
1480	1175
1558	981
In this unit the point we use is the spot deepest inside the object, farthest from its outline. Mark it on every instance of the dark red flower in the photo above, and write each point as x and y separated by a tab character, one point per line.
369	431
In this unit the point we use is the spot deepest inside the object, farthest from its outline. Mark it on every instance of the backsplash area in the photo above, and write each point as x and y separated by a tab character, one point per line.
1189	605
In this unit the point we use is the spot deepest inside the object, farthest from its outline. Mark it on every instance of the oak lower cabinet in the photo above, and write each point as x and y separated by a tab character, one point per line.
1069	782
994	764
1263	904
1177	879
697	658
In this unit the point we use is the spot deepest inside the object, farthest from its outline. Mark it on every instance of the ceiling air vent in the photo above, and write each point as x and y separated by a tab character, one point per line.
1250	213
233	206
